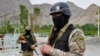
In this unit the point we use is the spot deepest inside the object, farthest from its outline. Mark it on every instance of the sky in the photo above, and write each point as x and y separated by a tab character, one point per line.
81	3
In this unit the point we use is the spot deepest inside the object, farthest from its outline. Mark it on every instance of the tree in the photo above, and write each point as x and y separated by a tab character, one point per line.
36	13
6	27
98	13
23	15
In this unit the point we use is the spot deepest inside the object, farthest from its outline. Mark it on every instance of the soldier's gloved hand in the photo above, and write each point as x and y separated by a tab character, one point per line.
45	49
32	47
23	41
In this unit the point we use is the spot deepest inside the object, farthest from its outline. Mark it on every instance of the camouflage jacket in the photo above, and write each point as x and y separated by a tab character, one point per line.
76	45
21	37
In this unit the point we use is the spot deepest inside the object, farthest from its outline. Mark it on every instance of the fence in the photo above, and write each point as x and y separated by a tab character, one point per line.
8	46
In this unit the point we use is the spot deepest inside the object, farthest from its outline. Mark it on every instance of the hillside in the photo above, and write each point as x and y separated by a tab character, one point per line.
79	16
9	9
88	15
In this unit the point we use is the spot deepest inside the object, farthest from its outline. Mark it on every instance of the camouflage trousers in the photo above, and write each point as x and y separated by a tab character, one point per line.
27	53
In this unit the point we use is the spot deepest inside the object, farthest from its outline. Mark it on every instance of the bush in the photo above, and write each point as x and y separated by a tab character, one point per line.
6	28
89	29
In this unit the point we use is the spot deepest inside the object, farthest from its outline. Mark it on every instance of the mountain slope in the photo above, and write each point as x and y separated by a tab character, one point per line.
10	9
88	15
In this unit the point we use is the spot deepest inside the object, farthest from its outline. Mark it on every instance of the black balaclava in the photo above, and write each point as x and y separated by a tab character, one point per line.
61	20
27	32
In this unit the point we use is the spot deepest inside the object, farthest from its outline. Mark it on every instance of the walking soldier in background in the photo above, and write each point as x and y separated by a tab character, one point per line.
64	39
28	42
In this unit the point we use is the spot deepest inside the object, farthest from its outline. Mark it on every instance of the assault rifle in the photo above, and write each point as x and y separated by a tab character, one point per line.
23	38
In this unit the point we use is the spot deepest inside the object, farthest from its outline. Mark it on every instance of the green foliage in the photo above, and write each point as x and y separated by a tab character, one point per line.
36	28
33	17
6	28
89	29
23	15
43	28
36	11
98	11
19	28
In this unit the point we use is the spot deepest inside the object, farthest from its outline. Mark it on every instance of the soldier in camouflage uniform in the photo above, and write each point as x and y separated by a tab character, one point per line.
28	42
70	41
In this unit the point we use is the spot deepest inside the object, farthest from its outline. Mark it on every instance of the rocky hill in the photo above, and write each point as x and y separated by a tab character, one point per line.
88	15
9	6
9	9
44	17
79	15
45	10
